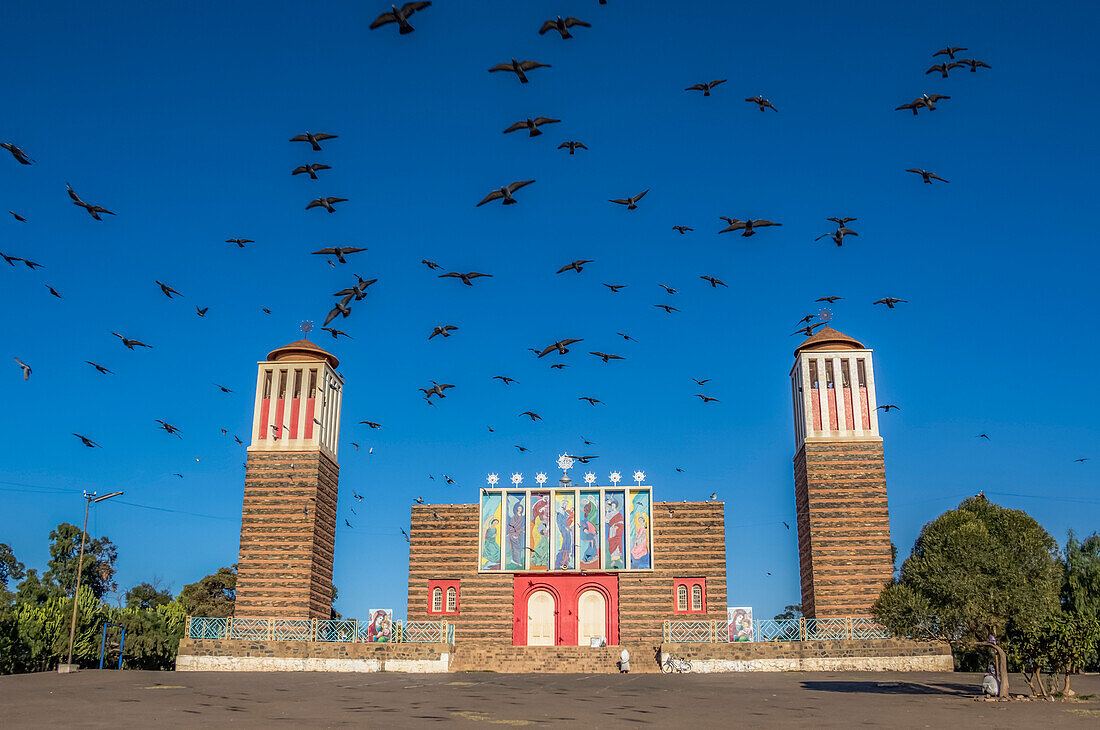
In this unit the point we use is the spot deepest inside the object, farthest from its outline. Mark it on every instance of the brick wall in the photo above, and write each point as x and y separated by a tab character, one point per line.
689	541
843	527
308	649
288	529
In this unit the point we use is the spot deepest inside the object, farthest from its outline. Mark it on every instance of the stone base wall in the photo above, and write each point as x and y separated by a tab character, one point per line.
857	655
239	655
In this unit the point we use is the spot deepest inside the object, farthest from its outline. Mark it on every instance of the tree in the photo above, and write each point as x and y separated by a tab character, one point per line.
9	566
974	573
1072	639
152	635
790	611
213	596
99	561
32	590
1081	584
147	595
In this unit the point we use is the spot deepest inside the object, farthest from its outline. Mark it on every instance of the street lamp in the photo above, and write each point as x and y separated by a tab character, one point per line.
89	500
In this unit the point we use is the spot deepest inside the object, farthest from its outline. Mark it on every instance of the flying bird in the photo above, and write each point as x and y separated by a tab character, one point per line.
682	229
1082	460
572	146
222	388
748	225
169	428
54	291
505	192
559	365
336	333
626	337
532	415
943	68
168	291
924	101
241	242
465	277
632	202
583	459
577	266
707	398
430	264
808	318
888	407
238	440
201	311
326	203
102	370
705	88
615	287
130	344
974	64
448	479
341	308
310	170
891	301
667	288
838	235
444	330
339	252
562	26
761	102
841	222
347	523
19	155
504	379
521	448
436	389
926	175
830	300
714	283
807	330
700	382
10	259
982	436
26	368
531	125
400	16
591	401
93	210
18	217
372	424
949	51
586	441
606	357
562	346
519	68
31	265
667	308
406	536
87	441
313	138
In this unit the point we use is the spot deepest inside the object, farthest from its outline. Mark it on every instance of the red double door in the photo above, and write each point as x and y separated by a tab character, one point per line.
565	609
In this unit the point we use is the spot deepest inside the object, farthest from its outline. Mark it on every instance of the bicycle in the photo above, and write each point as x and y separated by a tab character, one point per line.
679	666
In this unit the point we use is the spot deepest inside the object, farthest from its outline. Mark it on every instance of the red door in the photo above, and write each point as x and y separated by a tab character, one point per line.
566	591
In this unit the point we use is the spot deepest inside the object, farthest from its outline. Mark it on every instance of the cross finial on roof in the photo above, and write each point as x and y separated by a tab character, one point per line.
306	327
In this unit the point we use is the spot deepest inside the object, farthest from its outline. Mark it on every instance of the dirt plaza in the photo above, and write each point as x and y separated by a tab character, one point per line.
313	699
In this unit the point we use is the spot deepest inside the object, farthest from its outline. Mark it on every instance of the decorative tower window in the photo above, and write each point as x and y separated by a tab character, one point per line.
437	600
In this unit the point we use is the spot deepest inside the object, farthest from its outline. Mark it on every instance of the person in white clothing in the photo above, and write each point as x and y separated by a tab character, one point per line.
624	661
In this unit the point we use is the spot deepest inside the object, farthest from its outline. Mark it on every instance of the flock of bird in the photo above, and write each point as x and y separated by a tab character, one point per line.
356	292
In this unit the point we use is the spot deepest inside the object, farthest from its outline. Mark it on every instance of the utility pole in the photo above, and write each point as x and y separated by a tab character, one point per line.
67	667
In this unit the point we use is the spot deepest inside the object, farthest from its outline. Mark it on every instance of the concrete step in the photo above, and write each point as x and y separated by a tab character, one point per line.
548	659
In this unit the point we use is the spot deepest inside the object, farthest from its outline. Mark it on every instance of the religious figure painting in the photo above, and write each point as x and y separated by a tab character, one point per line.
639	531
539	534
564	522
516	552
739	623
490	530
589	531
381	625
615	531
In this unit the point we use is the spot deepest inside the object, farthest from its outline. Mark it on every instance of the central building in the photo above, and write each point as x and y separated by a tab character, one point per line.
567	565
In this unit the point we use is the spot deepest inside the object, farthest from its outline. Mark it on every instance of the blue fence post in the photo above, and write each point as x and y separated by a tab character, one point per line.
121	646
102	645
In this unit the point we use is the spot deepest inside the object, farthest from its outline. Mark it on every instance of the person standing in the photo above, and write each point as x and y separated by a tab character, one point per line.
624	661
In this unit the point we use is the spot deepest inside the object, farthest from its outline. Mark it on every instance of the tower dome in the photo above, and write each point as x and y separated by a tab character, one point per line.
828	338
303	350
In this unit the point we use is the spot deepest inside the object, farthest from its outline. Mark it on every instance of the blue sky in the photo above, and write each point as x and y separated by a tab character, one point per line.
177	119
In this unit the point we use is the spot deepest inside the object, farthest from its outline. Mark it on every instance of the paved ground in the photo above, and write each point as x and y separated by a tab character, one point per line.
113	699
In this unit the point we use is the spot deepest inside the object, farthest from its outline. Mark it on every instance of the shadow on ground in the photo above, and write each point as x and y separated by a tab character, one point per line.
896	688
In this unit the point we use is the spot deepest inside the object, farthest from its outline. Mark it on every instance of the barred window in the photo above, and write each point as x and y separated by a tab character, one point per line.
452	599
681	597
437	600
696	597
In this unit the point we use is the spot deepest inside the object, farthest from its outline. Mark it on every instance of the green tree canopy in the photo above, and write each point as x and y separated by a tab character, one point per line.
213	596
9	566
790	611
99	561
1081	583
147	595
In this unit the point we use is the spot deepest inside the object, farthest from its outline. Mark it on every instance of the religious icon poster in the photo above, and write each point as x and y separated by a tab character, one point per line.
380	628
739	623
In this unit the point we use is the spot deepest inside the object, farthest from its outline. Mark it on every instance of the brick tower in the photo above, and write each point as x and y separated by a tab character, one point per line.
288	524
839	477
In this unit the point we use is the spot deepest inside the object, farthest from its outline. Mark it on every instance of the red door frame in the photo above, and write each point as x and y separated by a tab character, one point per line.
566	590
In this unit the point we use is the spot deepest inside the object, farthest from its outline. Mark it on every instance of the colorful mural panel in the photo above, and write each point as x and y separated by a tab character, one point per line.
515	555
739	623
539	535
639	531
490	530
589	540
381	625
615	531
564	524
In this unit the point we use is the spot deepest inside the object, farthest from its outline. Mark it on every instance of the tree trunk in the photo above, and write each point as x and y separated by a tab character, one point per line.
1066	691
1035	679
1002	668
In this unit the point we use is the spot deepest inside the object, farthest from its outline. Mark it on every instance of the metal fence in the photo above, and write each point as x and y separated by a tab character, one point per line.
350	631
795	629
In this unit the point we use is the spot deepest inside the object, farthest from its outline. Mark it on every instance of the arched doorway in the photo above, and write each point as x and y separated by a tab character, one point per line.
591	617
540	619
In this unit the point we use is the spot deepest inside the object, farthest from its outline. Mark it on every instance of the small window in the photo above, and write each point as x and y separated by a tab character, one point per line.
452	600
681	597
696	597
813	375
445	596
312	383
437	600
297	384
829	374
282	384
691	595
861	373
845	377
267	385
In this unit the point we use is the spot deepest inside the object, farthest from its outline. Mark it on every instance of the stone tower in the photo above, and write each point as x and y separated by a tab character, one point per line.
839	477
288	524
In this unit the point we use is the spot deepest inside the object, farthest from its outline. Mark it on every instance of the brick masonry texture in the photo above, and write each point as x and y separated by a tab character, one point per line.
689	541
843	527
305	656
288	529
